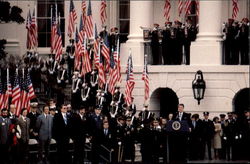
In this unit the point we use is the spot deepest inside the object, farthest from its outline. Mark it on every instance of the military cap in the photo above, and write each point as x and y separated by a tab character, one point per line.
245	20
230	20
245	111
98	107
156	24
168	22
222	115
229	113
121	118
177	22
205	113
34	104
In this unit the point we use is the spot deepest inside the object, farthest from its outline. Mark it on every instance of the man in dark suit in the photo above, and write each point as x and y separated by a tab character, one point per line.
195	138
24	124
12	114
4	136
207	132
61	132
44	126
178	142
79	131
33	117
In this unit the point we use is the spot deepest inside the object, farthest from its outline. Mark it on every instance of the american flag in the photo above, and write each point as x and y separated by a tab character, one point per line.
33	29
16	95
30	87
28	27
113	74
89	22
103	12
180	6
81	31
86	65
72	18
105	51
101	73
145	79
53	31
77	51
9	87
96	49
117	61
4	92
58	43
187	7
197	7
235	9
167	8
84	6
25	101
130	82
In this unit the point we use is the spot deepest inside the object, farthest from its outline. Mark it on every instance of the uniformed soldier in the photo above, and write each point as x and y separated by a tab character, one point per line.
156	140
113	38
130	133
132	107
85	94
33	117
231	136
70	58
51	74
117	103
246	135
223	141
207	135
104	32
79	132
167	47
145	114
62	80
244	41
75	91
155	44
178	42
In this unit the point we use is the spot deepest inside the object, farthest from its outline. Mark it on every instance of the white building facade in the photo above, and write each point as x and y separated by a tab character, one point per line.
223	82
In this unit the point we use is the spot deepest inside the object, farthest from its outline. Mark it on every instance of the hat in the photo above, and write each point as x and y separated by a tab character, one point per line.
98	107
229	113
156	24
168	22
34	104
222	115
177	22
230	20
121	118
205	113
245	20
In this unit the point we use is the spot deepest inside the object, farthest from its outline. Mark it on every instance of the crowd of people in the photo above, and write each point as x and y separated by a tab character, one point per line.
236	42
118	135
172	42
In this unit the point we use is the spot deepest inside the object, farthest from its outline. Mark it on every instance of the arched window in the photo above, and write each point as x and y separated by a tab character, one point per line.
44	20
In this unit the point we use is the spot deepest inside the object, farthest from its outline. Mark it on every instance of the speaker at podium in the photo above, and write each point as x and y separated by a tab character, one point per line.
177	140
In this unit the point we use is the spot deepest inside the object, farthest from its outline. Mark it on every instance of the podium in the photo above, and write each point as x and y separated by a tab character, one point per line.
177	127
177	140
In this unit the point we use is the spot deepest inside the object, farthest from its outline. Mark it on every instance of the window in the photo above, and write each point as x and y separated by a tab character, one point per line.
124	16
44	20
193	15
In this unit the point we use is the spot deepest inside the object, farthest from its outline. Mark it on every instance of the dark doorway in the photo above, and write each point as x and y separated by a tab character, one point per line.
166	100
241	101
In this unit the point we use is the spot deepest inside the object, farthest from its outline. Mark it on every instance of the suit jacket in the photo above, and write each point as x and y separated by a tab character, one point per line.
60	129
4	129
106	140
25	128
44	127
208	129
132	108
79	126
33	118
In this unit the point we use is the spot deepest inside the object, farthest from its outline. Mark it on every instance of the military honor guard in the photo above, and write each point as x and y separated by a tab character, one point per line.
76	90
155	44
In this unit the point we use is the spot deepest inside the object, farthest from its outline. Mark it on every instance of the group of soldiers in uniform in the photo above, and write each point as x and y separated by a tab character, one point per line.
236	42
172	42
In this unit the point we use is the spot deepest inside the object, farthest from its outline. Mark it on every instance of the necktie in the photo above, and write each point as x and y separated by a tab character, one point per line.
65	119
194	124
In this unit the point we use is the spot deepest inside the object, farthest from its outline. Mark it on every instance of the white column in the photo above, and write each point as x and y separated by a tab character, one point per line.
207	49
141	14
